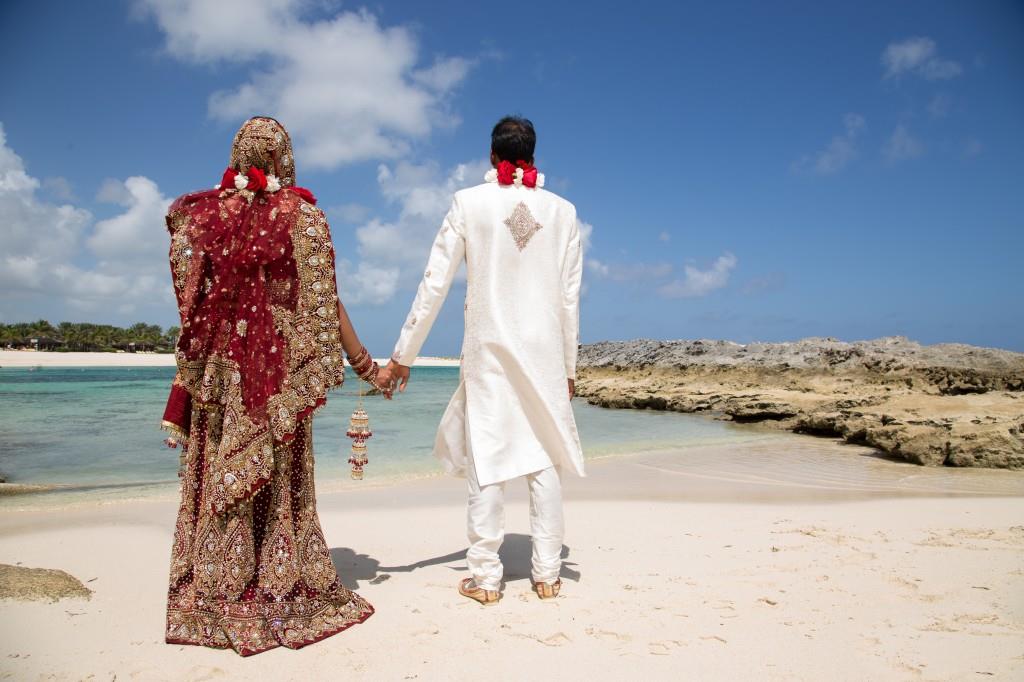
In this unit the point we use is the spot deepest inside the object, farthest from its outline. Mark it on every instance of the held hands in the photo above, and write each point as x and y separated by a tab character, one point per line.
393	375
572	388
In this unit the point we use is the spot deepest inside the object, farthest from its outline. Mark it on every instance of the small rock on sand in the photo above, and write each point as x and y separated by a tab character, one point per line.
40	584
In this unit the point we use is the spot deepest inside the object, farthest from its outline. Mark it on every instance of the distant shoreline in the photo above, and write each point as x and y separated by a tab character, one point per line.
30	358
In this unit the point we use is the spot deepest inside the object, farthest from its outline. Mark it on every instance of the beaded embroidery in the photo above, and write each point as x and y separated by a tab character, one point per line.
522	225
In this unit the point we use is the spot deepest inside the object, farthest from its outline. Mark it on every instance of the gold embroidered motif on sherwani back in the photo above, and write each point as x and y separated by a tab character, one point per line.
522	225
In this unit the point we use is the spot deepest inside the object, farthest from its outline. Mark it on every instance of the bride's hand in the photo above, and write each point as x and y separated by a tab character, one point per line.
385	382
386	379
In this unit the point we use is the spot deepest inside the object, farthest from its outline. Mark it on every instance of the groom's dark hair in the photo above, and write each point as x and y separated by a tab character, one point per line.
513	139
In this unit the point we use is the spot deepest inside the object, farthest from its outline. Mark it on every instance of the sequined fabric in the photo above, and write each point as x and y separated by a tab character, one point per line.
261	575
259	348
264	143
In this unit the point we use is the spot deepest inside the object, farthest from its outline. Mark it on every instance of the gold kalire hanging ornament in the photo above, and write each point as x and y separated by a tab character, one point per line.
359	432
359	423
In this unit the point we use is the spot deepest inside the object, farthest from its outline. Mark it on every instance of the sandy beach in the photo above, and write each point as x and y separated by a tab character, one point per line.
816	561
28	358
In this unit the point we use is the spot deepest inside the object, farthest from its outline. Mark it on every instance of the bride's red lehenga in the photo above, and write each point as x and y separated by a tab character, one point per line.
260	346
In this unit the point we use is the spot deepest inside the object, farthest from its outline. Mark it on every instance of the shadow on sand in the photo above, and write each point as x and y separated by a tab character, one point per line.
515	554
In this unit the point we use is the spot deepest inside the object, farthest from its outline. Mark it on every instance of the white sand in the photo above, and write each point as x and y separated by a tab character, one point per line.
672	572
28	358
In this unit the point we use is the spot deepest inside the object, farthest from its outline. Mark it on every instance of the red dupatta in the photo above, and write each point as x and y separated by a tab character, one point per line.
259	344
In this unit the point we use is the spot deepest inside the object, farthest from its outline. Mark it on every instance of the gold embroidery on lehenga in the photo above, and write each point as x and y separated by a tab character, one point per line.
317	568
522	225
202	611
206	561
239	554
279	563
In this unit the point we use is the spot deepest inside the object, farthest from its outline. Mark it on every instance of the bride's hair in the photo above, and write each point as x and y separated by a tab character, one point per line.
513	139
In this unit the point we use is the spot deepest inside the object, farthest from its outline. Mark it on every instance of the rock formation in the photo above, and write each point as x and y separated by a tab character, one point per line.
945	404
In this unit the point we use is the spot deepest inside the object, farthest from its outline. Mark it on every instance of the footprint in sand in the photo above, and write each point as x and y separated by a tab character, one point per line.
557	639
977	618
663	648
608	634
715	638
916	589
200	673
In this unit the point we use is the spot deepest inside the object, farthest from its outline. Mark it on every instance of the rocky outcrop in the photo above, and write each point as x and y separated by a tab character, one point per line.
950	404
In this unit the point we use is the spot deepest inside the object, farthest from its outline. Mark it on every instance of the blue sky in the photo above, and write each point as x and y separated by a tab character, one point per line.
749	171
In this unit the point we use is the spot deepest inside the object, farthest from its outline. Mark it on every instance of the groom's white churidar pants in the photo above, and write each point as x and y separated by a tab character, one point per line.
486	521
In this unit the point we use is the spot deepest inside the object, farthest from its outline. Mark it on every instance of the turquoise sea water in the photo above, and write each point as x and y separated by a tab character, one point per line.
98	427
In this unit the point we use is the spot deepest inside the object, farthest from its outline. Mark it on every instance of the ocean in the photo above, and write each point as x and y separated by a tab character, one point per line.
96	428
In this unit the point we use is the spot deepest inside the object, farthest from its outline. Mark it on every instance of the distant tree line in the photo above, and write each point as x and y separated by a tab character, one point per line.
84	336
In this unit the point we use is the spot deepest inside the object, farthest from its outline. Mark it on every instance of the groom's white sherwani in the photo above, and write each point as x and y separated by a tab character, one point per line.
511	411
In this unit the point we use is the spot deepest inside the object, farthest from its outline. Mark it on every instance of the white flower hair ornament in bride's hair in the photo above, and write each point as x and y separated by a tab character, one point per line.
241	181
273	184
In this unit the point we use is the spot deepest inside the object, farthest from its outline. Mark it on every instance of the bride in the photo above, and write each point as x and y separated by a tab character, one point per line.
262	336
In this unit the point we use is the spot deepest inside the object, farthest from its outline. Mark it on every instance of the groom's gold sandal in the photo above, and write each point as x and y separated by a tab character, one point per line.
547	590
469	588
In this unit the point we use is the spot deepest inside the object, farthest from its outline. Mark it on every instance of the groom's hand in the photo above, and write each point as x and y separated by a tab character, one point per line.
400	374
572	388
391	374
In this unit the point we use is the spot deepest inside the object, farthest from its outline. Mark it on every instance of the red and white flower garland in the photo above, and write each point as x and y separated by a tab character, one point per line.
256	180
521	174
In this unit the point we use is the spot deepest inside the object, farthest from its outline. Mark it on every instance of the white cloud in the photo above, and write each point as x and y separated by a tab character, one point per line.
45	243
347	88
59	188
694	283
625	272
919	57
839	152
586	234
393	253
35	234
619	272
902	146
349	213
366	282
113	191
697	283
131	235
664	237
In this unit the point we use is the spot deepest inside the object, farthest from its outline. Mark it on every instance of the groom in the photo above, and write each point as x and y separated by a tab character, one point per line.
510	416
